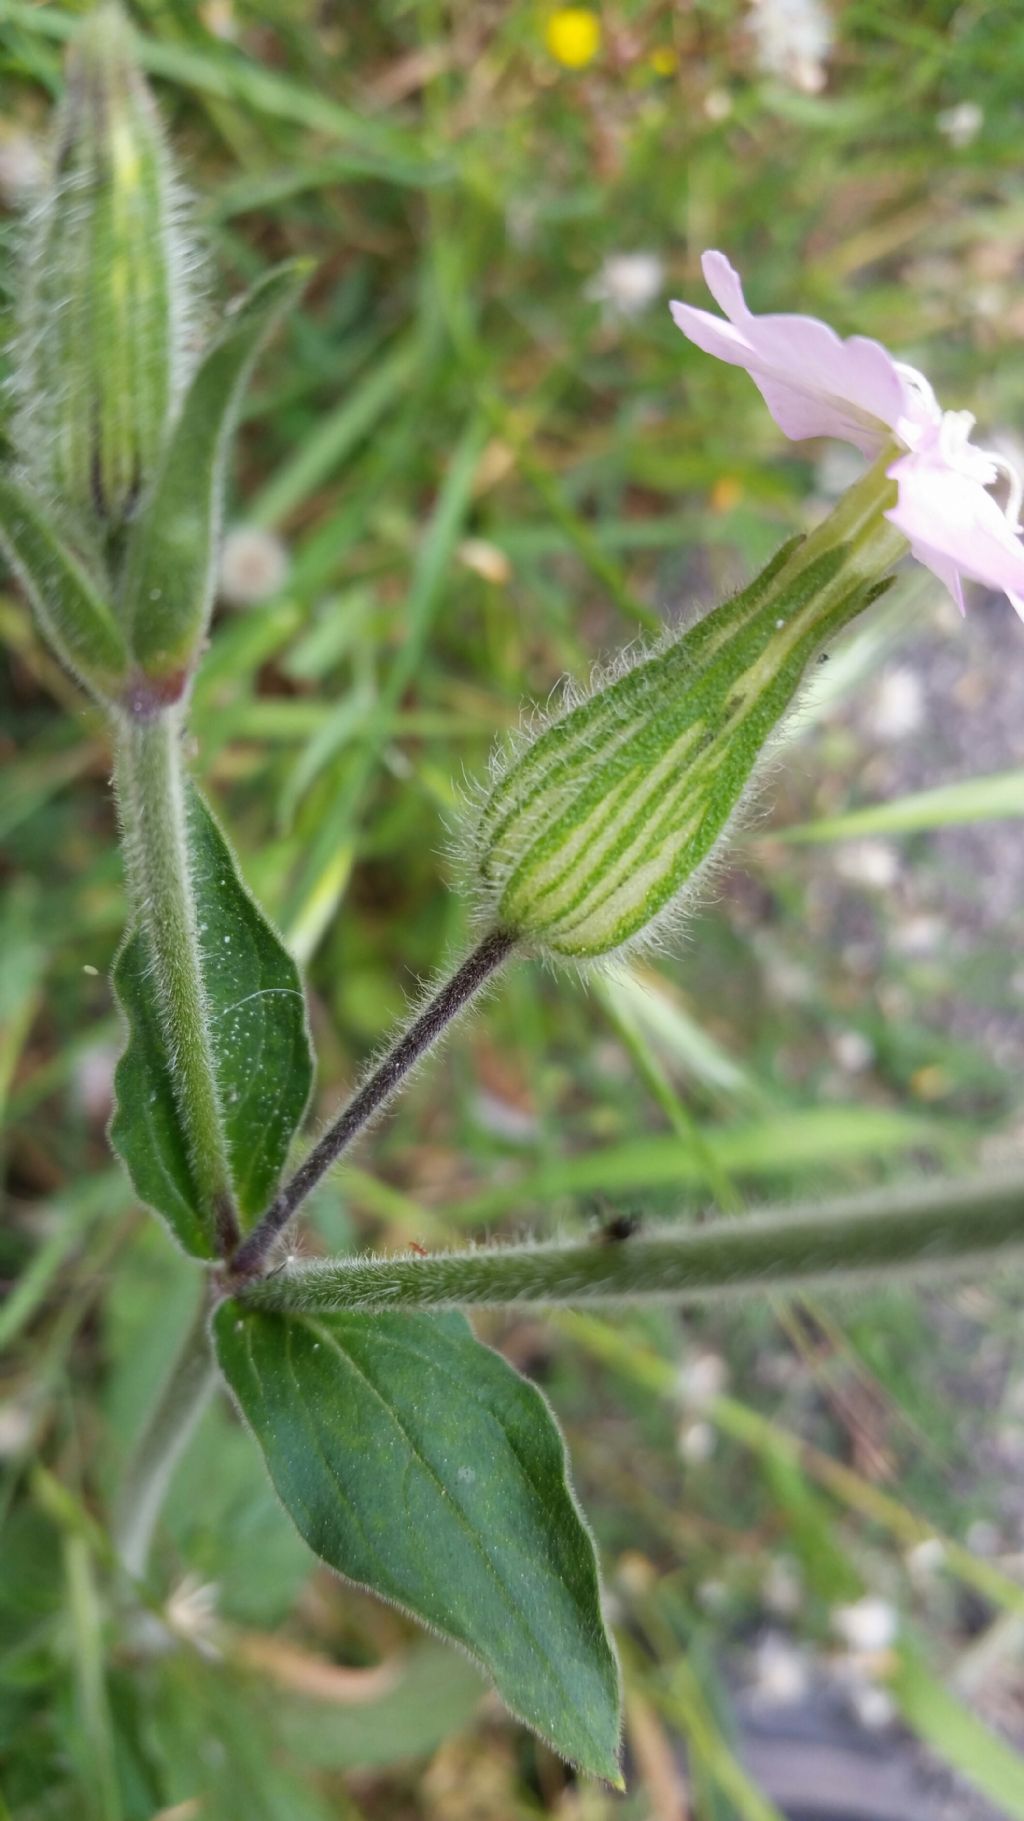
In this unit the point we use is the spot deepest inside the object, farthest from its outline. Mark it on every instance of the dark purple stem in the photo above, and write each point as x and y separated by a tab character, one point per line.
251	1258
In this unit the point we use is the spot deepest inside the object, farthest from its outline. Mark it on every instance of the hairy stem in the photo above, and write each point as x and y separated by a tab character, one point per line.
377	1090
180	1403
848	1242
152	805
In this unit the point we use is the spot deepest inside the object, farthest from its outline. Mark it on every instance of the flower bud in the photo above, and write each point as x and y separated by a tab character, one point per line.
593	830
105	307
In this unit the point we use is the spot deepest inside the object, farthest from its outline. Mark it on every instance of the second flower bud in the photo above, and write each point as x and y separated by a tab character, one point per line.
106	302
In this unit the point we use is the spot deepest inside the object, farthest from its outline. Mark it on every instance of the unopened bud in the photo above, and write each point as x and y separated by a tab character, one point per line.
594	829
105	310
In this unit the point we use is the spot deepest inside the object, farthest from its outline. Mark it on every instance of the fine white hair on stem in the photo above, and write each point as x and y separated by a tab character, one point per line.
927	1226
468	838
535	719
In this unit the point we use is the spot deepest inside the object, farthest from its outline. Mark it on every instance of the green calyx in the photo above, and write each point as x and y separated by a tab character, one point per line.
106	298
596	828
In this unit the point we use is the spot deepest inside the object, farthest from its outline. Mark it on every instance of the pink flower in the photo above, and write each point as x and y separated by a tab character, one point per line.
952	524
816	384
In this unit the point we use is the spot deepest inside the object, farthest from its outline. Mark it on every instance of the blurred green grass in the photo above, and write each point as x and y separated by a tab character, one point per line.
486	475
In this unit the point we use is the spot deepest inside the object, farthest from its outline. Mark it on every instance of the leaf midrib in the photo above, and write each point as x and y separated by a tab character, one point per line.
465	1523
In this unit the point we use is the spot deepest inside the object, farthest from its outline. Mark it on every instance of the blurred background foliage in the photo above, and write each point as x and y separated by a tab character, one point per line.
479	458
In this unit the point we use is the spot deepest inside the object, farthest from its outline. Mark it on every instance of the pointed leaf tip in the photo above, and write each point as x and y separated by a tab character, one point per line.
418	1464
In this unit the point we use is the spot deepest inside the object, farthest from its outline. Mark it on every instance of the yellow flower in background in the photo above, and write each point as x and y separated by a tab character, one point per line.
573	36
726	493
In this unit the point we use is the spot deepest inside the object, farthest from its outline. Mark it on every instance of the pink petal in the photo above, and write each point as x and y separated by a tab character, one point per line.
813	382
725	285
946	571
951	522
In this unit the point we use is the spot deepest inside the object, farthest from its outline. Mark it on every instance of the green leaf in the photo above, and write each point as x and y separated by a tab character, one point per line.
991	1763
225	75
417	1463
780	1144
320	455
170	562
986	799
67	603
261	1051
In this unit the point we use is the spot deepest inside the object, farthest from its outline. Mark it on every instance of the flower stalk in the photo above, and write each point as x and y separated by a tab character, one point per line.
927	1228
378	1089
